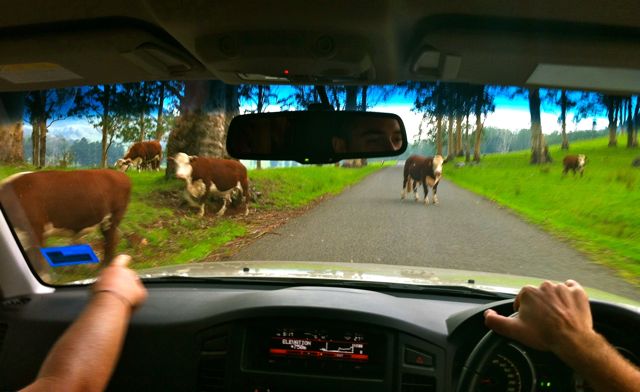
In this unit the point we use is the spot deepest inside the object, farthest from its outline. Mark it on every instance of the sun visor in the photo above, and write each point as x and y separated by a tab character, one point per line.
94	55
287	57
528	52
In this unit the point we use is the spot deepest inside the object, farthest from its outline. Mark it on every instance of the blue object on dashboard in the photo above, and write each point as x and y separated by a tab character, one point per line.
60	256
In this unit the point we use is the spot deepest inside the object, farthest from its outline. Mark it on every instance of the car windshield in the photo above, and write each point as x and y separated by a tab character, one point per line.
522	184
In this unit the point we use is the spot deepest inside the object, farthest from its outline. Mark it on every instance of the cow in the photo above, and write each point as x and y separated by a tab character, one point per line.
425	170
141	155
45	203
206	177
574	163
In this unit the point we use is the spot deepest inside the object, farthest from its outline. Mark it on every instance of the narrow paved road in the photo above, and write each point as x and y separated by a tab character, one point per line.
369	223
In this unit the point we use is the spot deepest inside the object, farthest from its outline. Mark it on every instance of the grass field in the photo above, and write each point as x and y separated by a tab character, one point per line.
599	214
159	229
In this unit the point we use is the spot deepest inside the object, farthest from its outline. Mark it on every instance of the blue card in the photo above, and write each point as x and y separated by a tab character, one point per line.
60	256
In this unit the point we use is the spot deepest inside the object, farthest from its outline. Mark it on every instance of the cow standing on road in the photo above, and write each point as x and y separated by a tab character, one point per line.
41	204
425	170
574	163
211	176
141	155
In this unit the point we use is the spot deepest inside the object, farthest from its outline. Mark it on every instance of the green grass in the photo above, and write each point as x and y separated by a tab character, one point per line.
598	213
173	232
297	186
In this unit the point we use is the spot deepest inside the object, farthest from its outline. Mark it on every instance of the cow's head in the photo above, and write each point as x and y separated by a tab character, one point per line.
183	165
582	160
438	161
123	164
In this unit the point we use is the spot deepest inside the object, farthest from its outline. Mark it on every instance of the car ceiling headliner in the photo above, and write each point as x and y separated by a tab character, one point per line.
47	44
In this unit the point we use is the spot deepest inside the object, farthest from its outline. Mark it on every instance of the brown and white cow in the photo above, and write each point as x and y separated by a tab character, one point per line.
141	155
45	203
425	170
574	163
211	177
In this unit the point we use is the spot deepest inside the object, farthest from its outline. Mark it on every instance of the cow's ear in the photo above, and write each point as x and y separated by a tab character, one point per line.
192	157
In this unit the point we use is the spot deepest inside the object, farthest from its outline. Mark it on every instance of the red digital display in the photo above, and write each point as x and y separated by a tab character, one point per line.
295	343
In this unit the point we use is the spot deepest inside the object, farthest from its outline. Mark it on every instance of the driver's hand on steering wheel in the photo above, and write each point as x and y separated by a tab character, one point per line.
553	317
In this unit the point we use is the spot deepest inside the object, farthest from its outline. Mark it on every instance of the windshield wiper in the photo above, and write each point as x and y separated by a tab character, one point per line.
451	290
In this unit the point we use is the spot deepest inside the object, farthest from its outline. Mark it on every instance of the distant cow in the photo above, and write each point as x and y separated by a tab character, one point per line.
211	176
574	163
636	162
41	204
141	155
425	170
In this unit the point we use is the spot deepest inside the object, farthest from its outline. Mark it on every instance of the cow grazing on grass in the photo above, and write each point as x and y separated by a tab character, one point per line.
41	204
425	170
141	155
212	177
574	163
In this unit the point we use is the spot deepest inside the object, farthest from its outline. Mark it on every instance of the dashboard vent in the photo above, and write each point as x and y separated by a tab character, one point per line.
213	361
417	383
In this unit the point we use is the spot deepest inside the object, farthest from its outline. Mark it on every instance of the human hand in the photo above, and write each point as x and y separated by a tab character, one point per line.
553	317
122	282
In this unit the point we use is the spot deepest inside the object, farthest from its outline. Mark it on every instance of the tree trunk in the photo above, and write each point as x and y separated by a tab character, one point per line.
459	151
43	144
351	101
613	125
260	109
451	151
629	124
467	141
363	104
160	118
143	131
634	141
439	134
11	131
35	143
478	113
537	138
201	128
106	124
563	119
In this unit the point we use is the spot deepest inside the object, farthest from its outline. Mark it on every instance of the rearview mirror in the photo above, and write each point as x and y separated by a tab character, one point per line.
316	136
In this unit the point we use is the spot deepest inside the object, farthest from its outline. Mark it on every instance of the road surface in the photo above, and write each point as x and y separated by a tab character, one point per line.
369	223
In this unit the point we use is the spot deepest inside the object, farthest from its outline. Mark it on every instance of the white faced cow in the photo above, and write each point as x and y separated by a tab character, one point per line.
211	176
574	163
425	170
45	203
141	155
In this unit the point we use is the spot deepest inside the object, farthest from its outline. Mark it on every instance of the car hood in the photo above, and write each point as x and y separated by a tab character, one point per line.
363	272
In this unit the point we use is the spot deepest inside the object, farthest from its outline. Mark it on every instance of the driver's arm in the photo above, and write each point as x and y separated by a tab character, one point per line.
557	318
86	354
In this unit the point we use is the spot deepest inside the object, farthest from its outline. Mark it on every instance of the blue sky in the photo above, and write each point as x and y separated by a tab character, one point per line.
510	113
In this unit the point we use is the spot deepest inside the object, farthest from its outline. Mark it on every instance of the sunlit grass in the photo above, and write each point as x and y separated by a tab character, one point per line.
598	213
297	186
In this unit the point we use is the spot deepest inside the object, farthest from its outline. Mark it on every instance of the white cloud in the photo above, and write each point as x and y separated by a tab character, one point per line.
70	129
513	119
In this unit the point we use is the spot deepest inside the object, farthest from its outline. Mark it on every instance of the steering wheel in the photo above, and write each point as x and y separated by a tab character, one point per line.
479	360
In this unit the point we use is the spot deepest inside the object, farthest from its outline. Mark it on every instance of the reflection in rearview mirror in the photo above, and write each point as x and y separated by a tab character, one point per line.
316	136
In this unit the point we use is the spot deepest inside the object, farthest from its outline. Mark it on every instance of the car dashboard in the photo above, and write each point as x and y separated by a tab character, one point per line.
266	337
